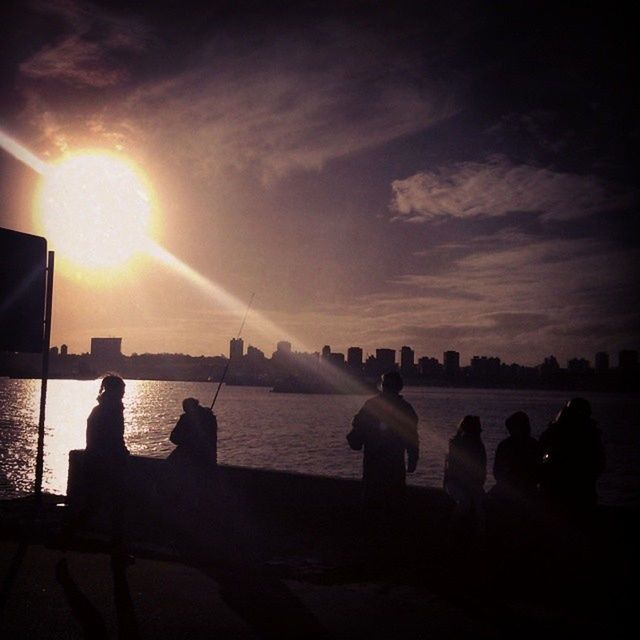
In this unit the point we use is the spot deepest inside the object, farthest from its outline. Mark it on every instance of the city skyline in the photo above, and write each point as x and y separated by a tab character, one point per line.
238	348
442	175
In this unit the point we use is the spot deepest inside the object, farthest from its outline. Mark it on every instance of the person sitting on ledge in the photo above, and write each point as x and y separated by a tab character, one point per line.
193	463
196	433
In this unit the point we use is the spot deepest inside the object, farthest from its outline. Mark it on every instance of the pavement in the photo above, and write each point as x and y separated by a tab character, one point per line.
282	578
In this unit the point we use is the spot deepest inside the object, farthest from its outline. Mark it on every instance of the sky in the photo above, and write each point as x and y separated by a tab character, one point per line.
443	175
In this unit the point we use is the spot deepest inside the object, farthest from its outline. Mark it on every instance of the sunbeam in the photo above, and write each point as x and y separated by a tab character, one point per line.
18	151
262	324
330	374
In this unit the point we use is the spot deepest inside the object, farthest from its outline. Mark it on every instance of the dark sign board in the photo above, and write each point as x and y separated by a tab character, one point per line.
23	262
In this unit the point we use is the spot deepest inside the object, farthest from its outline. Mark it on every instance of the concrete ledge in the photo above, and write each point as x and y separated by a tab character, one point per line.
287	501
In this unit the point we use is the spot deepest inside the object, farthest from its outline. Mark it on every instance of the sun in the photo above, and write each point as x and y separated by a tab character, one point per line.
94	208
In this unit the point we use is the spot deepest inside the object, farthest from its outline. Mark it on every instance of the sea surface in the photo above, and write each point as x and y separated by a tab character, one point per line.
293	432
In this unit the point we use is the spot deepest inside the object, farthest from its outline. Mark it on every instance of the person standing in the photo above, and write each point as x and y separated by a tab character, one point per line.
106	461
386	427
516	467
465	473
573	458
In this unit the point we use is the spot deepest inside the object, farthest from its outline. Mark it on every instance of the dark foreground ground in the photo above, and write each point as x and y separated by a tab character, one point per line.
282	556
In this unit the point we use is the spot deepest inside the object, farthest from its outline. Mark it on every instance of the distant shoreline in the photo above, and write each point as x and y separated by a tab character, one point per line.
452	384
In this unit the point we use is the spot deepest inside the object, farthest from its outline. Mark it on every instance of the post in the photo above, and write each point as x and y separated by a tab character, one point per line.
45	376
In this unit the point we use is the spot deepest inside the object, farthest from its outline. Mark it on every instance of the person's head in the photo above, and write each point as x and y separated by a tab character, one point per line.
518	424
391	382
190	404
112	386
579	408
469	427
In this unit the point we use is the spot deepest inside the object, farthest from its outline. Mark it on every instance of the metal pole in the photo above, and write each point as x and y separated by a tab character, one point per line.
45	376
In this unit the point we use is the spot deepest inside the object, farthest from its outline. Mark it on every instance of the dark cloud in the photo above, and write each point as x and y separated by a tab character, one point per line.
86	53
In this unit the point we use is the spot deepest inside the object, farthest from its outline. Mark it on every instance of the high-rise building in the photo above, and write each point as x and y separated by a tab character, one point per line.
336	359
429	366
236	348
283	346
326	351
602	362
578	365
354	358
485	367
451	363
254	354
106	353
407	361
386	359
64	350
628	360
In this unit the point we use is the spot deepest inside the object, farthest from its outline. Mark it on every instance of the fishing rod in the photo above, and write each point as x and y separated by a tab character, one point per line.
224	373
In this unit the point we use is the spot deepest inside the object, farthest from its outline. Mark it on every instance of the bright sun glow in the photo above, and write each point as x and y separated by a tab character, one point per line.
95	209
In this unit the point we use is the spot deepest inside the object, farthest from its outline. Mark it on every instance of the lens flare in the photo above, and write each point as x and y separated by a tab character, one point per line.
19	152
94	208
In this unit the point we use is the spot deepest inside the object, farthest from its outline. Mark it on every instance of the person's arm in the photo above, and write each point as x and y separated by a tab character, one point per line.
179	434
413	447
499	466
483	465
356	436
601	460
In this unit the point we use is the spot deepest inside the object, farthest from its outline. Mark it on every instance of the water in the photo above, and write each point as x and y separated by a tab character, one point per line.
292	432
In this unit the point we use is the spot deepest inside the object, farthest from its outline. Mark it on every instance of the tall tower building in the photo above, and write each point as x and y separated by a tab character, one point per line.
283	346
407	361
354	358
236	348
106	353
602	362
386	359
451	363
628	360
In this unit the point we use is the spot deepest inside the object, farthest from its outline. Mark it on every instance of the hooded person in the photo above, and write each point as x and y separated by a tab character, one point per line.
573	458
192	466
196	433
386	428
106	462
465	473
516	466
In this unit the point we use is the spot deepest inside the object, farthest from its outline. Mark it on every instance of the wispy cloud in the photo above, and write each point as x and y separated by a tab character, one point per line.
292	103
517	300
497	187
84	54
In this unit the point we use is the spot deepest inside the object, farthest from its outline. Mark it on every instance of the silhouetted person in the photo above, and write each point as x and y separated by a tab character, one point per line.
572	459
465	473
196	433
193	462
387	427
516	467
106	460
